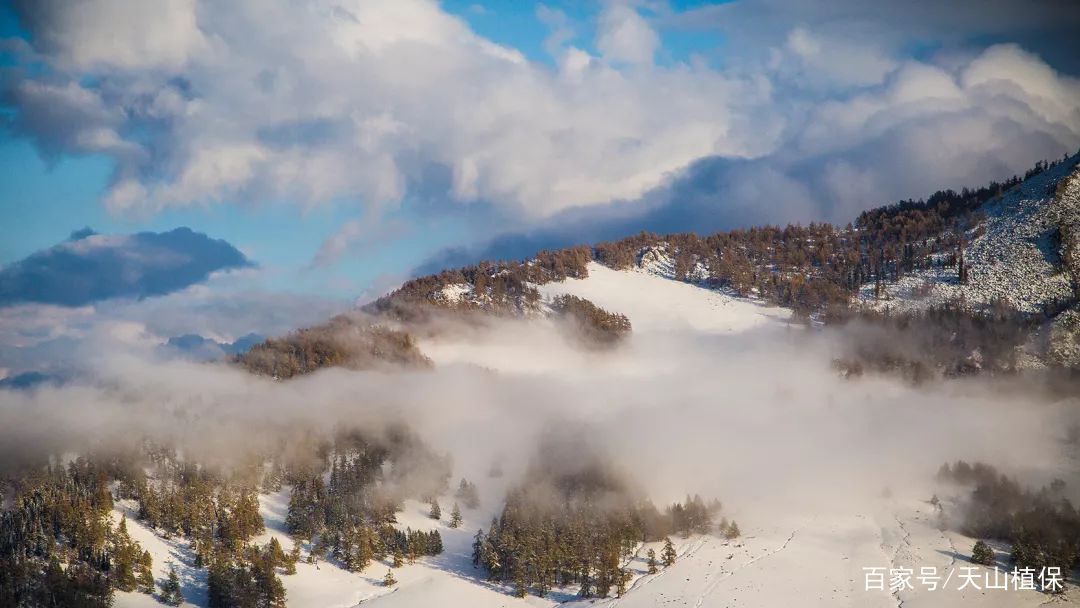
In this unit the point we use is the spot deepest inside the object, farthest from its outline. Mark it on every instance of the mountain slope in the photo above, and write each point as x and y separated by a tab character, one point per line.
1015	256
807	556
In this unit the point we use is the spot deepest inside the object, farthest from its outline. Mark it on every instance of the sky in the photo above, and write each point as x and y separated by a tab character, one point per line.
343	145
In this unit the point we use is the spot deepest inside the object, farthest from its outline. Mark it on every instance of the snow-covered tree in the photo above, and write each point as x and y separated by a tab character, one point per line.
170	589
668	554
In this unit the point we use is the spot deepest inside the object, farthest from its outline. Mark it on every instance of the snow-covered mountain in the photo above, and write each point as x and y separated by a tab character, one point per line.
1015	255
799	556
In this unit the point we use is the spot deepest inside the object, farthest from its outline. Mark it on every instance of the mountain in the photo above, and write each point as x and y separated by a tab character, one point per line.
958	263
194	346
814	554
662	366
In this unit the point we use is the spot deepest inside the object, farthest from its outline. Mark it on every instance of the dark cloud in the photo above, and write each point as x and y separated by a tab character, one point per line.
91	267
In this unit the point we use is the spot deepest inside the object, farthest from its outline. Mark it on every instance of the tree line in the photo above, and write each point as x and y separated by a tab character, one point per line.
1042	525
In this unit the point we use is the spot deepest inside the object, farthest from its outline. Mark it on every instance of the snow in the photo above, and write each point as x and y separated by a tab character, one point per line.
1016	260
454	293
163	551
654	303
793	558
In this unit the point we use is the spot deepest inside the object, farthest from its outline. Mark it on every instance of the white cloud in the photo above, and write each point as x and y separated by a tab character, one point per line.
355	100
358	101
817	61
624	35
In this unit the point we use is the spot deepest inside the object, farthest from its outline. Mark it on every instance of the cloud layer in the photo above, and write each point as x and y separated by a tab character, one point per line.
358	99
809	114
91	267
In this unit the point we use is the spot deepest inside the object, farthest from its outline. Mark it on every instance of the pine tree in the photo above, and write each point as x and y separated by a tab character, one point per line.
652	561
146	581
478	547
294	557
621	581
398	558
521	586
468	494
125	558
981	553
389	580
275	554
267	587
170	589
668	554
733	530
146	573
436	511
455	517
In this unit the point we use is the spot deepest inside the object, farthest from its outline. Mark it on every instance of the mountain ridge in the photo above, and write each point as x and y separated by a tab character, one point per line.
1007	246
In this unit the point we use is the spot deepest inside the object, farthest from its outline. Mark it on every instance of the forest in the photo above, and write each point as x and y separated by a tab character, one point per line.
1042	526
64	540
574	521
591	324
344	341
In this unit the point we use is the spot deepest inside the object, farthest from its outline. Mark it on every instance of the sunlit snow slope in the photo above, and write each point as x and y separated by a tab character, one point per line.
795	557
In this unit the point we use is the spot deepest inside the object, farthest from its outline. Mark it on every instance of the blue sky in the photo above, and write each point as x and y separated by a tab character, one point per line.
621	105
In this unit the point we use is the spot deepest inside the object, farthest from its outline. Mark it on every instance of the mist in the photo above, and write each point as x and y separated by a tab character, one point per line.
759	419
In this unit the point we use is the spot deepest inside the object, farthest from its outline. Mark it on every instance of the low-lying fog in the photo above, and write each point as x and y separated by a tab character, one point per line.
758	419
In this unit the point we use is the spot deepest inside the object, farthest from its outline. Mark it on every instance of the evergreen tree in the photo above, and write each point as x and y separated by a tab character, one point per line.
146	581
389	580
521	586
125	559
733	530
455	517
651	562
170	589
468	494
275	554
621	581
478	548
668	554
398	558
294	557
981	553
436	511
146	573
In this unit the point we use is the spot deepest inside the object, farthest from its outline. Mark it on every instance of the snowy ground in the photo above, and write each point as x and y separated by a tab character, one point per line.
801	556
1015	260
654	303
173	551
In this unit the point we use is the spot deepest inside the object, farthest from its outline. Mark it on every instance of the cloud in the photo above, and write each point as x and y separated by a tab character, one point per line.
623	35
358	237
114	33
829	62
91	267
810	113
561	26
653	405
357	100
924	128
62	341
